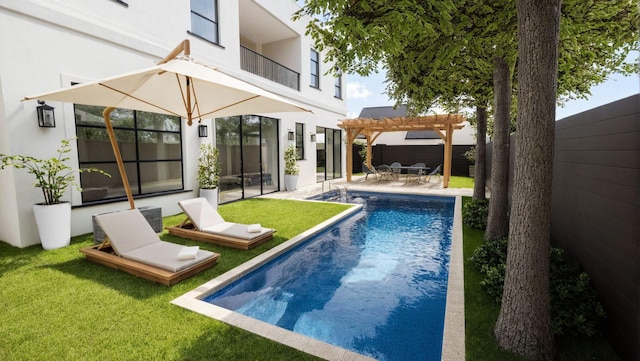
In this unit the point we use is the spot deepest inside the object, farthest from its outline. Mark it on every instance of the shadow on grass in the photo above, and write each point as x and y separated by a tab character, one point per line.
223	342
13	258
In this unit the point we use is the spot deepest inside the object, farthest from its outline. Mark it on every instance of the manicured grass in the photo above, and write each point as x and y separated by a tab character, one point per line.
460	182
56	305
481	313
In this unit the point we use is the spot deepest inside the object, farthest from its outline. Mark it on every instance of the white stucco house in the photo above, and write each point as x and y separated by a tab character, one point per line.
48	45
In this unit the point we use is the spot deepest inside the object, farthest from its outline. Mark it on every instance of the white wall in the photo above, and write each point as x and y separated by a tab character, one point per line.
46	45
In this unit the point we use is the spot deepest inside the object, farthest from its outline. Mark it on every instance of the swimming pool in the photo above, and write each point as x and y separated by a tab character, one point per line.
374	283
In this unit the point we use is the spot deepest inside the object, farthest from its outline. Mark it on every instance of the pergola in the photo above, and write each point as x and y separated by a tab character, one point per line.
441	124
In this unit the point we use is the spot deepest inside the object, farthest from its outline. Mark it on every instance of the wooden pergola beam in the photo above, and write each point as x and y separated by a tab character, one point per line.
443	124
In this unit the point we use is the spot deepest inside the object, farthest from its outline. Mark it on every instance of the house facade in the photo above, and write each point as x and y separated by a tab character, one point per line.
48	45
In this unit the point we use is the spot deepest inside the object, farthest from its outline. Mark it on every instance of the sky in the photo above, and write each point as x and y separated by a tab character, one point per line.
369	92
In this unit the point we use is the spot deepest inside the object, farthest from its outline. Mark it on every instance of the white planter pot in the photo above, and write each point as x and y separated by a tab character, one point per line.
290	182
211	195
54	224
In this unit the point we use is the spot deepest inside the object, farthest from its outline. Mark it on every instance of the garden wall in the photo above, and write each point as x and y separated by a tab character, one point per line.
595	210
431	155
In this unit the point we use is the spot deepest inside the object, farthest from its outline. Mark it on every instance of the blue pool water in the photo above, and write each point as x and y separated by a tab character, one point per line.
375	283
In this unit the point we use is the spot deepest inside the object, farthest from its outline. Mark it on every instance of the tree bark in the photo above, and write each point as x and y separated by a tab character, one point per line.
480	176
524	324
498	221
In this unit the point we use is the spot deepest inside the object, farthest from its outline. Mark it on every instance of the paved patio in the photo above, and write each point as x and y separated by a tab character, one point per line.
371	184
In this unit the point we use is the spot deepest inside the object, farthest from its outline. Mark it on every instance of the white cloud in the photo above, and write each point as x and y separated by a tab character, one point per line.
357	90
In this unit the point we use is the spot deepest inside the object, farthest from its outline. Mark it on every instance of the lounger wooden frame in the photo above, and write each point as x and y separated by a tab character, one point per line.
189	231
105	255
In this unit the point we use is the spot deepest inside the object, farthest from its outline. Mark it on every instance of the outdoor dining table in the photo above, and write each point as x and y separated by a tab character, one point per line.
386	171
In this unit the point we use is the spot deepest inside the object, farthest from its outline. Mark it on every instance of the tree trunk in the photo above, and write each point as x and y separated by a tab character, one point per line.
524	324
481	154
498	221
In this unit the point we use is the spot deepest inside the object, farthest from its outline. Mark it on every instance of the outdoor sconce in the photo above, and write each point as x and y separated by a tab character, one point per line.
290	136
313	137
202	131
46	116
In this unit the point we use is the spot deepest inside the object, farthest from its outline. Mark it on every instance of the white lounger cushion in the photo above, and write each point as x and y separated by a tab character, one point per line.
132	237
207	219
165	255
201	213
235	230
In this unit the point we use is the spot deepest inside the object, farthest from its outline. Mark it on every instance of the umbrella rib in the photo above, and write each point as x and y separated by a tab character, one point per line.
140	100
231	105
195	101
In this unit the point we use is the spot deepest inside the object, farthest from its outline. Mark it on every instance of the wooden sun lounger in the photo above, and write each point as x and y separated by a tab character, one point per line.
133	247
205	224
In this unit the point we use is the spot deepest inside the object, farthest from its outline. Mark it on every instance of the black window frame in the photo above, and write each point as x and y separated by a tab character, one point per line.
315	69
337	92
215	22
299	140
136	129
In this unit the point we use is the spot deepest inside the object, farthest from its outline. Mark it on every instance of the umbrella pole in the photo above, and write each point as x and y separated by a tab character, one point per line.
116	152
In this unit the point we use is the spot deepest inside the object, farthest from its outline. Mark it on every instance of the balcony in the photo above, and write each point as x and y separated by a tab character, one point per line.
269	69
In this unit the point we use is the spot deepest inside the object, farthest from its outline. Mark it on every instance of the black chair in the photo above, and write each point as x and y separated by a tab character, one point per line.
369	170
437	171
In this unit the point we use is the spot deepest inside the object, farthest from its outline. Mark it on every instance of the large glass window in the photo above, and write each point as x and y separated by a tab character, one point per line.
338	87
204	19
300	140
248	147
150	145
315	69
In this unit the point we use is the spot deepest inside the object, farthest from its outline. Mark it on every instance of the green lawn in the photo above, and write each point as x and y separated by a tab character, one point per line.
57	305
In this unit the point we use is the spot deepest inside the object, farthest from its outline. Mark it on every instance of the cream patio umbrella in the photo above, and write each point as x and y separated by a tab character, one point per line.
178	85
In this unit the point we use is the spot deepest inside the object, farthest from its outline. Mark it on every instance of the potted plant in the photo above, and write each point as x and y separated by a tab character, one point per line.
470	155
53	176
209	173
291	169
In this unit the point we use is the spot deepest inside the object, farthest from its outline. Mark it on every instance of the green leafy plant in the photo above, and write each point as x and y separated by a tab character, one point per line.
53	175
575	309
291	161
363	150
208	167
475	213
470	155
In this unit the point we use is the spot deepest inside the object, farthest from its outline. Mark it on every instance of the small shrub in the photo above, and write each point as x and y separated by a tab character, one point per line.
575	309
475	213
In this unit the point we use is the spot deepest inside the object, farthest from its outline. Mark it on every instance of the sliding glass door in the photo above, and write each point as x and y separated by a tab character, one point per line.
328	153
248	147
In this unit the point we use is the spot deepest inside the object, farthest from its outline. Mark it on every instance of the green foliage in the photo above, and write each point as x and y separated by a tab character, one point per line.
363	150
575	309
470	155
208	167
475	213
52	175
291	161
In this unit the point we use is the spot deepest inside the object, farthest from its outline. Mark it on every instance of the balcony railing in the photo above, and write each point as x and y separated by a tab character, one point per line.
269	69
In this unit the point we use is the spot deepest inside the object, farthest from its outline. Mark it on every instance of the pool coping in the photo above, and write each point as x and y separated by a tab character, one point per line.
453	335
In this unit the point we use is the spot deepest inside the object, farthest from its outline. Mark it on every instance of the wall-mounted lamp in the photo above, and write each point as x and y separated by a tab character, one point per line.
290	135
202	131
46	116
313	137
